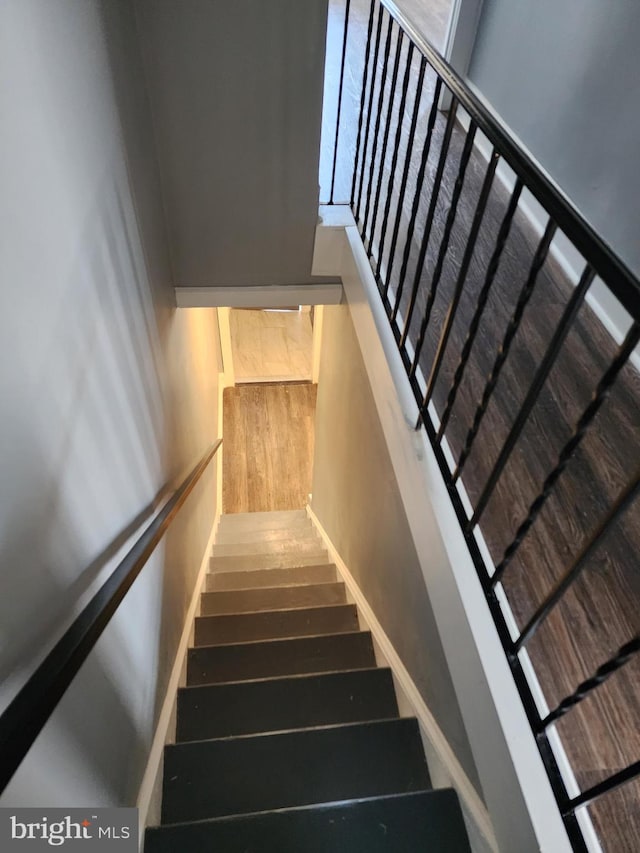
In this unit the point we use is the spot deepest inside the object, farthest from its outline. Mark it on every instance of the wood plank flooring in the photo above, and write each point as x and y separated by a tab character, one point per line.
271	346
602	610
268	446
430	17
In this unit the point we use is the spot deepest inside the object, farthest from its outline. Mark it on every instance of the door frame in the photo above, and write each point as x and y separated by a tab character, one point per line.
461	33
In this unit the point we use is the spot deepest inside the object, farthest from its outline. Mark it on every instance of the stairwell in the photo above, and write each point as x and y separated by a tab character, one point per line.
288	735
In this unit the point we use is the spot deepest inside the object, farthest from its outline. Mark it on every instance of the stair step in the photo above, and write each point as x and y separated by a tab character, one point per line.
212	778
272	658
262	520
271	598
224	710
253	562
231	536
323	573
398	823
273	624
298	546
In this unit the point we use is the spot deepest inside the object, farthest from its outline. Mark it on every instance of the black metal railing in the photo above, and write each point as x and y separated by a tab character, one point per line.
488	325
29	711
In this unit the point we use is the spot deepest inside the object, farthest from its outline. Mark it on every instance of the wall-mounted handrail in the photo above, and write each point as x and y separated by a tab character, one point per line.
28	712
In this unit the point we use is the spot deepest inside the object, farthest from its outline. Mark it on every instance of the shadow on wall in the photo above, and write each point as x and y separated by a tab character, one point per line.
109	392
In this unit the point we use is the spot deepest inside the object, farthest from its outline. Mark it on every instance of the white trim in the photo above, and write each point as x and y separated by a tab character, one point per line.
316	346
220	454
474	808
328	244
461	34
259	297
460	39
150	786
225	380
224	328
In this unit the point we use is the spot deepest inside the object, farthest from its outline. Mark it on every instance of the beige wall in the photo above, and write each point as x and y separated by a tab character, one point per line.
107	391
356	498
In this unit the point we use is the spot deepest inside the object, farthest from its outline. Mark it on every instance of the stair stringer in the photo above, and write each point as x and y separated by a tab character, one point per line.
444	768
149	801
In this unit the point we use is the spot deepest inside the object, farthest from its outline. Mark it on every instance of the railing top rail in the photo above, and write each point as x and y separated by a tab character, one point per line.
616	274
28	712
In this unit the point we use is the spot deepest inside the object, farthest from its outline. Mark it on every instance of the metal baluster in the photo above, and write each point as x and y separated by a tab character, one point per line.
444	244
340	91
600	395
503	351
501	240
624	655
394	161
435	191
374	74
623	502
385	140
562	330
376	132
417	196
462	276
604	787
405	176
365	74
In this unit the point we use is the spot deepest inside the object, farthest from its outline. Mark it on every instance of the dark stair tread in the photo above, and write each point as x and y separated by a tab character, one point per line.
272	624
223	710
270	658
421	822
212	778
272	598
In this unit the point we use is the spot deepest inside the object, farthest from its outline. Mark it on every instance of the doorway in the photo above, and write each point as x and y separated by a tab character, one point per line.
271	363
269	345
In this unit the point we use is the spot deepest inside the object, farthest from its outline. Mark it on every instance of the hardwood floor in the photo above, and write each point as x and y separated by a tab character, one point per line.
268	446
271	346
430	18
602	609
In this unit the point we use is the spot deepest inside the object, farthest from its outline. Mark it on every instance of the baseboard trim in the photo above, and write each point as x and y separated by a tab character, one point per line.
472	804
153	771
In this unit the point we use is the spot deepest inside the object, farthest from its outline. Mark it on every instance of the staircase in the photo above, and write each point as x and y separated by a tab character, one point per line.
288	735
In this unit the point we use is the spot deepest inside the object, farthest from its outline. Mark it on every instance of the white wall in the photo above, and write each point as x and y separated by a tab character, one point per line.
237	100
563	74
107	390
